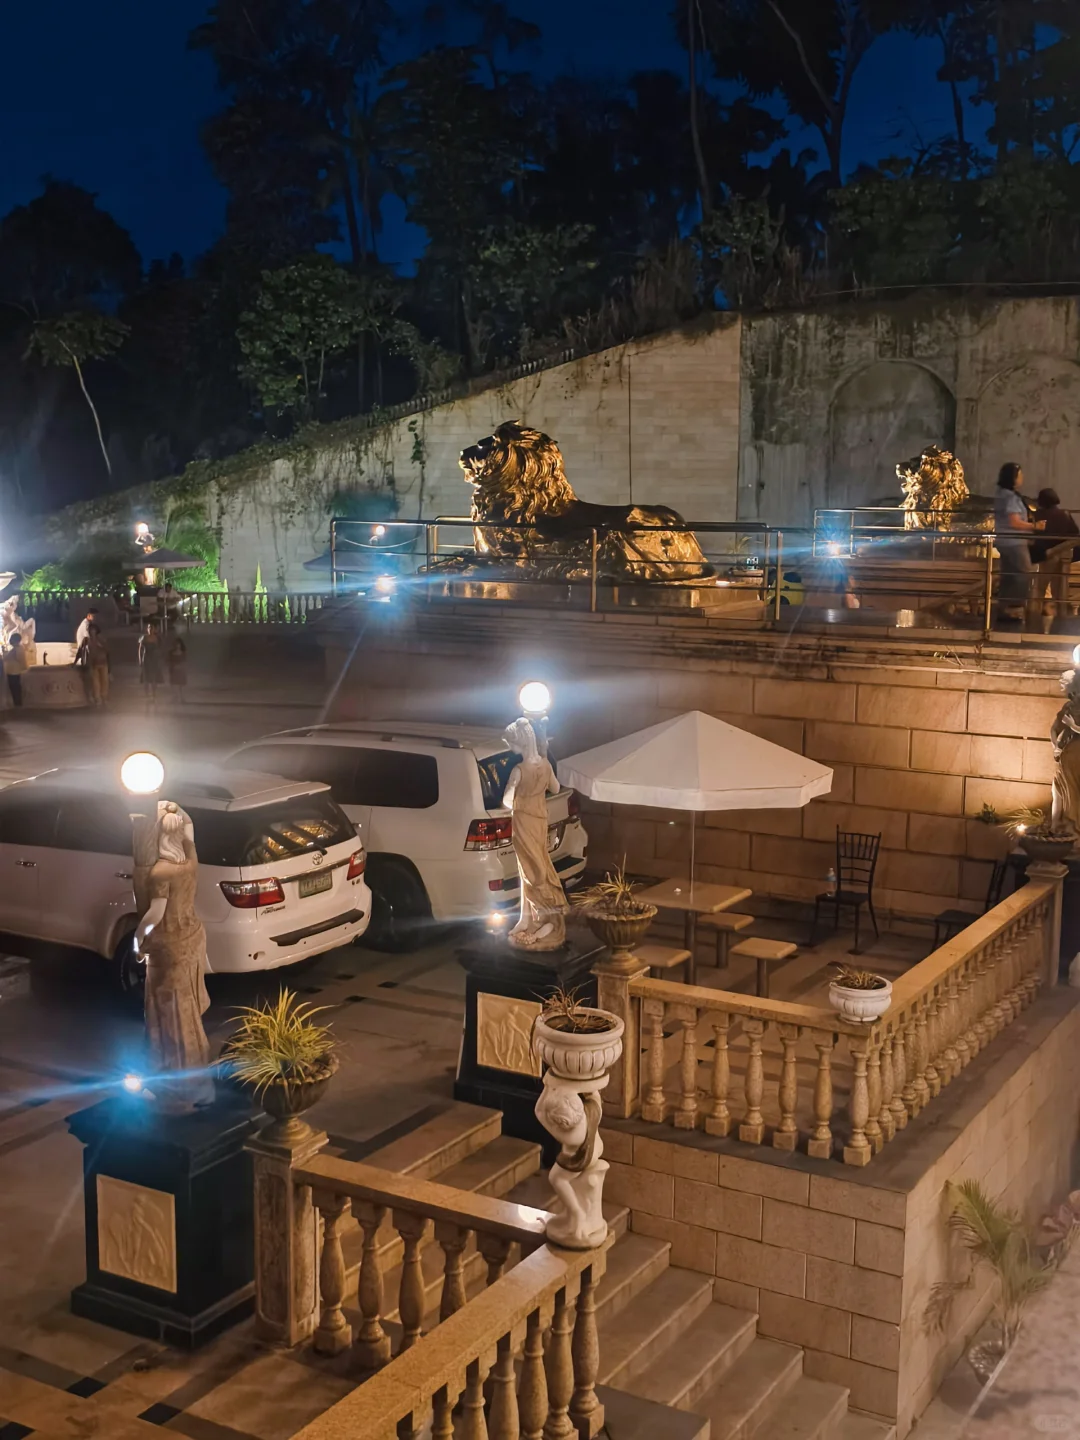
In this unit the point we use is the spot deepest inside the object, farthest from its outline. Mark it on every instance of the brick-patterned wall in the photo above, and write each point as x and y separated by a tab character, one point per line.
844	1267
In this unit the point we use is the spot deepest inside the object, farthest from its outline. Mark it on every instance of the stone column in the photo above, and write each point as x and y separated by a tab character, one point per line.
624	1078
1055	871
286	1240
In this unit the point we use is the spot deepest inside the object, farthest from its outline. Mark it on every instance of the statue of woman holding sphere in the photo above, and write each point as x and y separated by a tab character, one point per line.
542	925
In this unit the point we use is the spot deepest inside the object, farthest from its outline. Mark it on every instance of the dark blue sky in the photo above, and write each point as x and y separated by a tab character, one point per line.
109	96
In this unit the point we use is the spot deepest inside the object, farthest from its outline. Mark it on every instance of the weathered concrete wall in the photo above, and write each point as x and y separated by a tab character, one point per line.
918	745
654	420
832	399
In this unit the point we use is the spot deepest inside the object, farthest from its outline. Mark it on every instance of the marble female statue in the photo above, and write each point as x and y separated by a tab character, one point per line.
170	936
12	623
1065	740
542	925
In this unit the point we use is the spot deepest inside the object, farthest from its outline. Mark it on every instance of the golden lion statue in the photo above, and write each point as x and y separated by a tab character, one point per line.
934	489
517	479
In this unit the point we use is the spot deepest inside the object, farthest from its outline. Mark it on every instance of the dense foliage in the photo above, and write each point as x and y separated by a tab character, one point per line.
554	213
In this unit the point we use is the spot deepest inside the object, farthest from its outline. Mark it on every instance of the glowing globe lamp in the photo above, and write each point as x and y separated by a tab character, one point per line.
142	773
534	697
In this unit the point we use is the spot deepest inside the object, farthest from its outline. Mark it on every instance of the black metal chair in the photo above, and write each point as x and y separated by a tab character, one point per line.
950	922
856	861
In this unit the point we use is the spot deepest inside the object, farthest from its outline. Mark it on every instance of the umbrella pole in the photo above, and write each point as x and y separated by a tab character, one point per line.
693	836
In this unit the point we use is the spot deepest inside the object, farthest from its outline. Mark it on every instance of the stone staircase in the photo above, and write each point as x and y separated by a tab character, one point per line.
664	1340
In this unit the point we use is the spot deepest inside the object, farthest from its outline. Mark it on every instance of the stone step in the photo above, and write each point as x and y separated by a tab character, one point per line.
697	1359
752	1390
634	1261
537	1192
810	1410
628	1417
664	1310
857	1426
503	1163
444	1140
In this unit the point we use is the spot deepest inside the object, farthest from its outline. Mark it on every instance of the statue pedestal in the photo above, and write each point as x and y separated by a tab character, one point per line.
504	991
169	1218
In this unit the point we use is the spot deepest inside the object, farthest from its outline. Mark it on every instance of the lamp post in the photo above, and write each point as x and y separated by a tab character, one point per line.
142	775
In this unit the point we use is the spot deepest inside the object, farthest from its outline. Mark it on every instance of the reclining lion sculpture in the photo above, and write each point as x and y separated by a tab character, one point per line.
934	489
517	479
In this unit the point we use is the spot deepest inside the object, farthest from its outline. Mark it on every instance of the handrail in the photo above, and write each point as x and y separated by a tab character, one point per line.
780	1012
523	1224
556	1392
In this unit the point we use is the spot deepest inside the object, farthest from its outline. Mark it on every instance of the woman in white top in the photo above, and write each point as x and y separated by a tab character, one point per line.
1012	528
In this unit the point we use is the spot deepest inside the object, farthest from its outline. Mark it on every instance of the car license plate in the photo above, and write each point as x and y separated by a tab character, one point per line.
316	884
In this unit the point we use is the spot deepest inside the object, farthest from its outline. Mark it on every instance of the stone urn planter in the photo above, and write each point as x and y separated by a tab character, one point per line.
616	917
860	995
285	1101
1038	846
287	1061
578	1044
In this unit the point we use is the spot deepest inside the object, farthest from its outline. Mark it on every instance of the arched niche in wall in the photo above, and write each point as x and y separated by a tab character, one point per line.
884	413
1031	414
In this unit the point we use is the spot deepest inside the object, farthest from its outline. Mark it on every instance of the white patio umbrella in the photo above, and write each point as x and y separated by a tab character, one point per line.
696	762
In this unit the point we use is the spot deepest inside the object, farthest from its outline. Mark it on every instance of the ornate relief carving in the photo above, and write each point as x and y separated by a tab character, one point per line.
504	1033
137	1233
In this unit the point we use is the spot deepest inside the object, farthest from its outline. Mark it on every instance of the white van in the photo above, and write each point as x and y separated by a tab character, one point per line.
427	799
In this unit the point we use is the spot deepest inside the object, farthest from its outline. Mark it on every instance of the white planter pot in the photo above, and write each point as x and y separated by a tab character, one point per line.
584	1056
864	1006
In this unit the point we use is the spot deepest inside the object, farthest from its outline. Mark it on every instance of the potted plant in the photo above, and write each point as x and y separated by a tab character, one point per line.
1031	831
615	915
577	1042
998	1239
284	1058
860	994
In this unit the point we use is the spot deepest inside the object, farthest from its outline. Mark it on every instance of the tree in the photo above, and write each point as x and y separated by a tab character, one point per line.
74	338
805	51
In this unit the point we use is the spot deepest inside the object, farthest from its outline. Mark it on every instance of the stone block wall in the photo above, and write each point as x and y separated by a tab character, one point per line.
844	1265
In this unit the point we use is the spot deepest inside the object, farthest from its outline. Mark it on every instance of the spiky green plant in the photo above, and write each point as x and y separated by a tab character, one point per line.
614	895
996	1237
276	1043
564	1011
853	979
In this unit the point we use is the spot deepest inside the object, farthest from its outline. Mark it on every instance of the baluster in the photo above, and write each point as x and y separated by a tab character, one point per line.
560	1372
453	1239
899	1109
473	1425
996	1014
414	1231
442	1420
933	1041
1035	961
886	1118
503	1416
495	1251
752	1130
718	1121
820	1145
873	1094
982	1004
586	1412
965	1034
411	1426
921	1057
532	1392
686	1115
858	1150
372	1343
334	1333
653	1106
786	1136
910	1093
952	1020
1024	951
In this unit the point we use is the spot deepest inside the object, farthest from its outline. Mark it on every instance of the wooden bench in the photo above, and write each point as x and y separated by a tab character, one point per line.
661	957
726	923
763	951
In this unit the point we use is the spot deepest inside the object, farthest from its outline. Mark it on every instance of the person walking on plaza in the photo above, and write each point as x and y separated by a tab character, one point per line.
1012	528
98	666
90	618
1058	525
15	667
177	667
151	668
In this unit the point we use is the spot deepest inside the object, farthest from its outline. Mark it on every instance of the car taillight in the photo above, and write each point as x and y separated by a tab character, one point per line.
490	834
357	865
573	805
250	894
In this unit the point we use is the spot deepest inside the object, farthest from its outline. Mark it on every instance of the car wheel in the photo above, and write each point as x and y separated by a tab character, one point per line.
399	909
127	975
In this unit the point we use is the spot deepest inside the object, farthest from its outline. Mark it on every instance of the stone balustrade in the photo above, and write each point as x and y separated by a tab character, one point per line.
944	1010
517	1362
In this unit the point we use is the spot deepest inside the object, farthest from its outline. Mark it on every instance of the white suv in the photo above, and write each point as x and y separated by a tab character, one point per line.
427	799
281	870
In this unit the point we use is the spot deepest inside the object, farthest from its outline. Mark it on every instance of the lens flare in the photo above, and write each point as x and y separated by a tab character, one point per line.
133	1084
385	584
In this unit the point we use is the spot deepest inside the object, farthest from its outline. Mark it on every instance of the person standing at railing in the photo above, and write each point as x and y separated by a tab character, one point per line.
1053	568
1012	528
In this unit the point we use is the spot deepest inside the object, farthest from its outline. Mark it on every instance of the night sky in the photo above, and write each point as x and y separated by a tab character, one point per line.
109	96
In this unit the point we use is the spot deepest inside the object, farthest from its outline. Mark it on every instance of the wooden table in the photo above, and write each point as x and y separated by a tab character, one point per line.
700	898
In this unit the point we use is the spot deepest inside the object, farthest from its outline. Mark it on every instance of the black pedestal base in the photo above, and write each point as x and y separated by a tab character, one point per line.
495	967
169	1208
